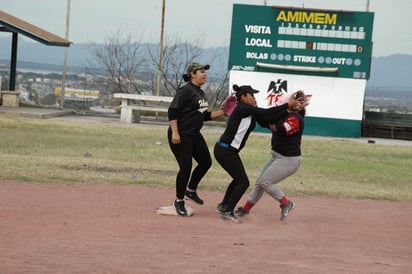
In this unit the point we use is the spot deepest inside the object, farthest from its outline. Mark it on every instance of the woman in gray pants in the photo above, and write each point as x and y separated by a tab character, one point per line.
285	160
240	124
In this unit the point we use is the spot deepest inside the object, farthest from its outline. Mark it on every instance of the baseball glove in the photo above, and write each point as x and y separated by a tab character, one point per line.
229	104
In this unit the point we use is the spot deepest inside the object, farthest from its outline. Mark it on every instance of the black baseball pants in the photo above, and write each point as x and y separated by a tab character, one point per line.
230	160
192	146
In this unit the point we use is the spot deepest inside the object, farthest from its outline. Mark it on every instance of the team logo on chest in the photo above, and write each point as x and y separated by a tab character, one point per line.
203	105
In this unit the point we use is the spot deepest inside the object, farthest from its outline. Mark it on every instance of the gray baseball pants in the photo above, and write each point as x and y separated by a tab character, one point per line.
276	168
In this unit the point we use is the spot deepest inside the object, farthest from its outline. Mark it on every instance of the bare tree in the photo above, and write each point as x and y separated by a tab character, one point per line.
177	54
219	88
121	58
127	69
219	91
4	83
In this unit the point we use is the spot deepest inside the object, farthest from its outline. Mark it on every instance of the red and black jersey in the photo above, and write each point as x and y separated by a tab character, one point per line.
286	139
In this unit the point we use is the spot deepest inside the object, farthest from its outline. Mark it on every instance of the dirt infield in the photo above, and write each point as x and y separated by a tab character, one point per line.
101	228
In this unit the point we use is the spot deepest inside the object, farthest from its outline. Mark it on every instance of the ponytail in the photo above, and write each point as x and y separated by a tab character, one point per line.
186	77
236	88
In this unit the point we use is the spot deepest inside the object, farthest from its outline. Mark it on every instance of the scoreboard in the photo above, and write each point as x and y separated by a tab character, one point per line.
325	53
293	40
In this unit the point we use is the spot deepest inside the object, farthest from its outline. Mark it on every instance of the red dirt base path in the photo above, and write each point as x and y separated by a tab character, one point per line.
102	228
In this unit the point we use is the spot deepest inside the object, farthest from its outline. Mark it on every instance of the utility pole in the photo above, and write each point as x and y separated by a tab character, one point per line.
367	5
159	65
65	55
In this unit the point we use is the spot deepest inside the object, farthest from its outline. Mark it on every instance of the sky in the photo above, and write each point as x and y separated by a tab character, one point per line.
208	20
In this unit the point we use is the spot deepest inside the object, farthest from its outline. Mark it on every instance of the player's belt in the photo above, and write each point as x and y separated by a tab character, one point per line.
223	144
220	143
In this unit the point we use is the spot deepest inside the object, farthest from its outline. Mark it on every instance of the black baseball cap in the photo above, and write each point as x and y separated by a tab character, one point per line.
243	90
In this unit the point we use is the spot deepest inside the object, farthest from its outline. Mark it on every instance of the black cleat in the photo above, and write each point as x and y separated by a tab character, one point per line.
229	216
180	208
286	209
240	212
192	195
221	208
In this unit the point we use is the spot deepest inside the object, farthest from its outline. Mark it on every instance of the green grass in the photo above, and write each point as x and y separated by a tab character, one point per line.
52	151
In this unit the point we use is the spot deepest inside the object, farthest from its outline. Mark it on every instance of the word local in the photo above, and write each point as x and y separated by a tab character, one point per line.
258	42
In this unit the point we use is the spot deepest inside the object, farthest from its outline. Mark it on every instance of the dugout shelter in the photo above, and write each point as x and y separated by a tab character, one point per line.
16	26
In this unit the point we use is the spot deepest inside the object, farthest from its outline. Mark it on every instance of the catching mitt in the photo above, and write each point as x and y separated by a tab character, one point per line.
229	105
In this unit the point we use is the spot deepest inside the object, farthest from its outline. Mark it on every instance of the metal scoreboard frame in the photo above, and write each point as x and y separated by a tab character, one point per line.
301	41
326	53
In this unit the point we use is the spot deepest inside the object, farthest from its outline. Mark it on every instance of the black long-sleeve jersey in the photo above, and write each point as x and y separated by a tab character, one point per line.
243	121
190	108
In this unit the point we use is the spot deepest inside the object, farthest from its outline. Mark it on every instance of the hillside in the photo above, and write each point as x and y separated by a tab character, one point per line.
394	71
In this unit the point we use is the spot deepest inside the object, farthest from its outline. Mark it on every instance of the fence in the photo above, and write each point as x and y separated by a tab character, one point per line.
387	125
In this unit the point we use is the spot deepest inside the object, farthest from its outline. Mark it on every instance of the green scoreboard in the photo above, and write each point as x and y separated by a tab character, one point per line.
332	43
326	53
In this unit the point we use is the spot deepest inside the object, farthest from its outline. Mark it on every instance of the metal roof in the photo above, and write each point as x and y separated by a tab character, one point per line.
14	24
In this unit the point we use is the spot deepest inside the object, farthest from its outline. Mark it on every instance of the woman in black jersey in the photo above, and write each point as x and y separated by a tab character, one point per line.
285	160
241	122
186	114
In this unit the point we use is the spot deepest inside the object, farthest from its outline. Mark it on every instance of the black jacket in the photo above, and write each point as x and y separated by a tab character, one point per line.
190	108
243	121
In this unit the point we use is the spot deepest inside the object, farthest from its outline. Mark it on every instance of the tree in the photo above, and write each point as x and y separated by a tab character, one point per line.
218	94
178	53
4	83
131	68
122	59
220	83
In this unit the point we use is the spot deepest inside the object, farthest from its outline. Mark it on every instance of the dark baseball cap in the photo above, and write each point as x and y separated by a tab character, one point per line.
196	66
243	90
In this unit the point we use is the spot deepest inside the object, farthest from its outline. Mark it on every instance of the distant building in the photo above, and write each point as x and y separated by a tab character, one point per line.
78	94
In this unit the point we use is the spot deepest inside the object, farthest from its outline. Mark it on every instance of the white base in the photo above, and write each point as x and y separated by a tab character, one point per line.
171	210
